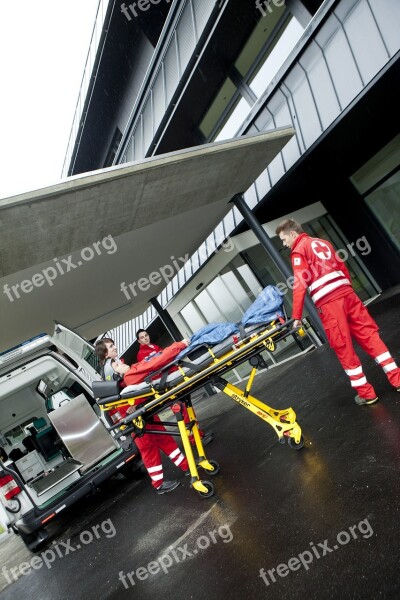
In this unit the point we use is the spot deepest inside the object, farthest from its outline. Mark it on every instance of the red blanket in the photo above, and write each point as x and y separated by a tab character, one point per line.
140	370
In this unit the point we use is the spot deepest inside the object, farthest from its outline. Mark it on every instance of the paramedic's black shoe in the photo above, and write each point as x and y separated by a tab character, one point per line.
364	401
167	486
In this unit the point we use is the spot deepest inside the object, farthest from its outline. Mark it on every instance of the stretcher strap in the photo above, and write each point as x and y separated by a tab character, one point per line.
163	380
191	366
242	331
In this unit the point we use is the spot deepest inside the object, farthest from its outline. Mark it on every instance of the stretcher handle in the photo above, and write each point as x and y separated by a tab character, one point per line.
138	413
101	401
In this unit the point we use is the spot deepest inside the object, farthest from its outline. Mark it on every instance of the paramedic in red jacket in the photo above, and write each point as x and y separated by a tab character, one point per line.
318	269
147	349
150	444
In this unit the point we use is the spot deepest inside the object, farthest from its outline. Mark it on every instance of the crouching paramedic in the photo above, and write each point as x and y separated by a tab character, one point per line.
146	351
343	315
150	444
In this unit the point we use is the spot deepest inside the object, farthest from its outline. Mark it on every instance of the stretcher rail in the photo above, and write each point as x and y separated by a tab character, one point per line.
233	358
153	399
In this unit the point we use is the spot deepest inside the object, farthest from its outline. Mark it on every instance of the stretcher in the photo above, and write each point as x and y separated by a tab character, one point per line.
172	385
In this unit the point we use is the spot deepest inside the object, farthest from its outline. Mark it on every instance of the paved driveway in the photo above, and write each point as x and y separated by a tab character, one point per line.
317	523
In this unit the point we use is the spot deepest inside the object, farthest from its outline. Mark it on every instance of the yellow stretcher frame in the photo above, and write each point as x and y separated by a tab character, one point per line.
282	421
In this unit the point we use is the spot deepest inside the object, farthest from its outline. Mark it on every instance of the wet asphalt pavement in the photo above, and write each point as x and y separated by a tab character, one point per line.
321	522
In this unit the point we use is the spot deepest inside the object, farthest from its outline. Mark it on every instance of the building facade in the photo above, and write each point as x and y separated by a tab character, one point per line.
165	75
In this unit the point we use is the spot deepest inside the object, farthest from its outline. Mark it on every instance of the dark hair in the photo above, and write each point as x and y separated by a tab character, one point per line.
289	225
101	349
139	331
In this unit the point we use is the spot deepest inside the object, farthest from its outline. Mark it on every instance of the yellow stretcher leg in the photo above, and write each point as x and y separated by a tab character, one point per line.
209	466
283	421
205	488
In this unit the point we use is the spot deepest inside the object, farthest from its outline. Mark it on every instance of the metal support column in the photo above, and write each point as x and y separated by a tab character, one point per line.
166	320
255	225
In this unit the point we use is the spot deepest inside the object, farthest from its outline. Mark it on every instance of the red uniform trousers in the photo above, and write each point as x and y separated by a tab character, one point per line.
150	445
346	318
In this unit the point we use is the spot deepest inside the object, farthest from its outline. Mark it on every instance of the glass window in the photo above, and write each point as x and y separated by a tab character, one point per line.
256	42
234	122
208	307
276	56
384	202
218	107
226	298
148	124
237	290
192	317
251	281
138	149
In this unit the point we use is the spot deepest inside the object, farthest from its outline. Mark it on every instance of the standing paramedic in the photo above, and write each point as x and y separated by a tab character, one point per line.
316	267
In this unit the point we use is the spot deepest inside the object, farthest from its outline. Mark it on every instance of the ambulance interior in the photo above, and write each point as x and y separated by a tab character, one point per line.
29	396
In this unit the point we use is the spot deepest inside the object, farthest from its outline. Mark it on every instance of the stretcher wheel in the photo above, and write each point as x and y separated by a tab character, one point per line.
293	444
210	489
216	468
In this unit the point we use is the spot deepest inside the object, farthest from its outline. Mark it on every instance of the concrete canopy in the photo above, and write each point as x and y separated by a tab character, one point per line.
66	249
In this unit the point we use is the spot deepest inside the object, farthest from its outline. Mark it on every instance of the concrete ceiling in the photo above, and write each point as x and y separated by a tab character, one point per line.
67	248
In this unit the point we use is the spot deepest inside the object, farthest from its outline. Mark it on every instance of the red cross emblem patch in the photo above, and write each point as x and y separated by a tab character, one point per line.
321	250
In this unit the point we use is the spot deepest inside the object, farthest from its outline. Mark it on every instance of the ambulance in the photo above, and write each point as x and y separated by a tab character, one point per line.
56	445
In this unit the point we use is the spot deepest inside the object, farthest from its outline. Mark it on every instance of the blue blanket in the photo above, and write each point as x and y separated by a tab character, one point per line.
266	308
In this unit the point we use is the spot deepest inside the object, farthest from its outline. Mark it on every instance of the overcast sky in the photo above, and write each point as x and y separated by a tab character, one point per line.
43	49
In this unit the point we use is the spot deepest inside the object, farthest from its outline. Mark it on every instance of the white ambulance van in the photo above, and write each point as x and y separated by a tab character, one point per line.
55	443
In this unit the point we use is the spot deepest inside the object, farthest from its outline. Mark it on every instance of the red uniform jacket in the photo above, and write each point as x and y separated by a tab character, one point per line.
317	267
145	351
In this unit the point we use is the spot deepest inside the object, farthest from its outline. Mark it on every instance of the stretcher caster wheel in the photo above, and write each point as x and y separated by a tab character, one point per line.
293	444
216	468
210	489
